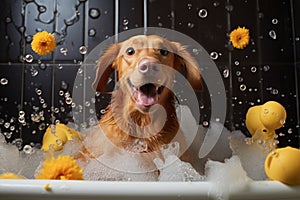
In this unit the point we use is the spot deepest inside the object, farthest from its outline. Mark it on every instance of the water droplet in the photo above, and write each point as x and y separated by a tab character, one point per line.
253	69
21	113
22	120
195	51
61	93
28	58
229	7
237	63
64	51
82	50
4	81
94	13
190	25
68	100
272	34
92	122
12	128
64	85
27	149
7	20
266	68
214	55
59	142
274	21
238	73
18	142
38	91
282	121
274	91
34	72
205	123
42	126
226	73
248	141
125	22
240	79
103	111
266	111
42	9
216	4
67	94
243	87
290	131
87	103
202	13
92	32
7	134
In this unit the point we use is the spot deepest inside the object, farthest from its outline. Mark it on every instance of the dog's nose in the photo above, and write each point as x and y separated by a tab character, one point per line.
147	65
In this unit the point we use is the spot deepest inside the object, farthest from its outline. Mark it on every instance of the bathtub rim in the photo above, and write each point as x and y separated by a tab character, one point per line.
35	189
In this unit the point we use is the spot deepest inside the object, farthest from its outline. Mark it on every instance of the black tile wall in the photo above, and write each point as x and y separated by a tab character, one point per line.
267	69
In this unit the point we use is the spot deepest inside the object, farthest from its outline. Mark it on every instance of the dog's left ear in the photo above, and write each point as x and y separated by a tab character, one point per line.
187	65
105	67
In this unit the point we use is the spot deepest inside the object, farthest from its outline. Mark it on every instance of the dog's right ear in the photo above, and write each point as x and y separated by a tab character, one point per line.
105	67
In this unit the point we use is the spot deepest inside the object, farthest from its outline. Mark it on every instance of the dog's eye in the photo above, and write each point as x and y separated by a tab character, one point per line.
130	51
164	52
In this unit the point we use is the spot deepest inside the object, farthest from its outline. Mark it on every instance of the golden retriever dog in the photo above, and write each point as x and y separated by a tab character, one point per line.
142	109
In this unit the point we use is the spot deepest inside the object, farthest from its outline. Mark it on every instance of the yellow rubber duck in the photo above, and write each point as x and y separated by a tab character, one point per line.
265	118
283	165
57	135
9	175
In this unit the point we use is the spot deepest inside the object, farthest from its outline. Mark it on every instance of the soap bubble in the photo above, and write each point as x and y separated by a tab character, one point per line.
27	149
214	55
82	50
253	69
21	113
68	100
274	21
243	87
202	13
28	58
64	51
226	73
94	13
92	32
42	9
125	22
38	91
272	34
4	81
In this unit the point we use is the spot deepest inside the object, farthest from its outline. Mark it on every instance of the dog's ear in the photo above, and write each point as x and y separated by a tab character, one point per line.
105	67
187	65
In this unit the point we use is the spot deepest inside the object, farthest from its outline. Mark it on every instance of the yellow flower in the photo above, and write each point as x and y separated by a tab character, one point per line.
240	37
43	43
11	176
60	168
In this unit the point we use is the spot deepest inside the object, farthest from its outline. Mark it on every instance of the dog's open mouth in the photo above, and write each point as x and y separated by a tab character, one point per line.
146	95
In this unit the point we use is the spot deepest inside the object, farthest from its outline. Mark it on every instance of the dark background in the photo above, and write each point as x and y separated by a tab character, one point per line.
268	67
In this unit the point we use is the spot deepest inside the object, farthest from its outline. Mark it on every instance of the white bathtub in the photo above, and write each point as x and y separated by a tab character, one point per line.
35	189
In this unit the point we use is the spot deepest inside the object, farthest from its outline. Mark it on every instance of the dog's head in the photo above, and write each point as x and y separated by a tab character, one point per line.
145	66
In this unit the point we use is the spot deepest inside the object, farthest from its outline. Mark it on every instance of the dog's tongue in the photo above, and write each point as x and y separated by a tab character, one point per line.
146	95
